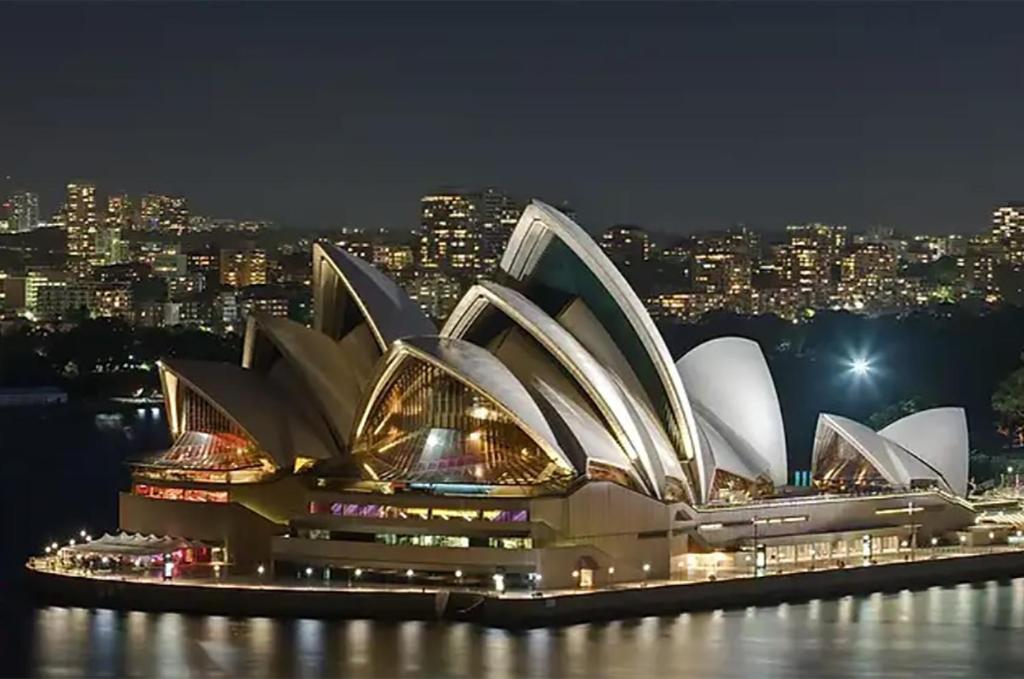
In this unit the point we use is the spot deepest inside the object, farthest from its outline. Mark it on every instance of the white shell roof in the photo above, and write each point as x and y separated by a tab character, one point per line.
482	371
641	438
592	435
388	310
898	465
725	457
538	225
939	437
731	389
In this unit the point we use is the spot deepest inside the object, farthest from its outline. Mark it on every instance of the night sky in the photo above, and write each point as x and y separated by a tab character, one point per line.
676	117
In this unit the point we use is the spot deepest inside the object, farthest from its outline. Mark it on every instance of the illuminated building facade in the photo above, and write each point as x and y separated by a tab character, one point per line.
807	260
435	292
159	212
242	268
22	211
450	238
81	223
720	271
627	245
869	276
498	214
464	232
1008	220
544	430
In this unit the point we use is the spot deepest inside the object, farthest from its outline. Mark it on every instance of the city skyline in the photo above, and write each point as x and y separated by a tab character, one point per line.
48	213
676	118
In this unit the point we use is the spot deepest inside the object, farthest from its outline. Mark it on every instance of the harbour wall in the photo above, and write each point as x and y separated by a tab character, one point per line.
489	609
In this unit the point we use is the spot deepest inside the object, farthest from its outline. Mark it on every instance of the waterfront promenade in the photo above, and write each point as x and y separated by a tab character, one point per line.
234	595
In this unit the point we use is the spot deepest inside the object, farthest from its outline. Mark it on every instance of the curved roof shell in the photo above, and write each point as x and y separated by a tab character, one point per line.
643	444
732	392
899	466
938	437
554	260
332	376
348	290
251	401
479	370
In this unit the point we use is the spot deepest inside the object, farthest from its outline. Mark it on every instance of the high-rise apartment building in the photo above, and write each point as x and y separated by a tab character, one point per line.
205	263
37	283
111	247
626	245
393	258
1008	220
242	268
22	211
164	213
723	262
451	235
498	213
435	292
80	226
823	237
358	242
465	232
120	212
868	275
807	260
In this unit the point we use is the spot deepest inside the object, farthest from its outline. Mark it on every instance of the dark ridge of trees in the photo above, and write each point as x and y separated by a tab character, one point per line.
100	357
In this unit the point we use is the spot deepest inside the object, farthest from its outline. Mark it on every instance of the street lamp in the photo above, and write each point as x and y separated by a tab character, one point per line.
260	570
647	571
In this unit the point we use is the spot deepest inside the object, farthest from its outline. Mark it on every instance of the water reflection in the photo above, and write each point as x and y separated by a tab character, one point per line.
959	631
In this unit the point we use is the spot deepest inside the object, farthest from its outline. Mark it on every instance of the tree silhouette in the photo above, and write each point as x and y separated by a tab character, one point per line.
1008	402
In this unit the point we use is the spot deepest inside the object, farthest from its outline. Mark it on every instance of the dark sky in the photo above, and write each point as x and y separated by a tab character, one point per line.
677	117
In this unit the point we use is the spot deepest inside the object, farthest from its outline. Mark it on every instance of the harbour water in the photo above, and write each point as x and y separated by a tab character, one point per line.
965	631
61	468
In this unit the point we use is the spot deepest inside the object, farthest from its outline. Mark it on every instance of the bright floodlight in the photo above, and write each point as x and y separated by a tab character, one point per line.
860	366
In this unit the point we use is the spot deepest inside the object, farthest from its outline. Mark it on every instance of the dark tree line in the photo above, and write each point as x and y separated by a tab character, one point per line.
103	357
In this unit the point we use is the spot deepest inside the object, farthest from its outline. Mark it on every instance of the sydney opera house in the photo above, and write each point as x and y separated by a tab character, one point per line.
544	435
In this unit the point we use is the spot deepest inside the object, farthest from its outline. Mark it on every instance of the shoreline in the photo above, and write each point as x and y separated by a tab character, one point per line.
513	611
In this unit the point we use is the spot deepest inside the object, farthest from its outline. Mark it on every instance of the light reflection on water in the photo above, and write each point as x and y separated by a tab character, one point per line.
967	630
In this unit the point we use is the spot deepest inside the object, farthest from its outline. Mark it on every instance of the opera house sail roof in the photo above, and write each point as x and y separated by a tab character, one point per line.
609	428
926	448
554	377
446	411
559	266
737	413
